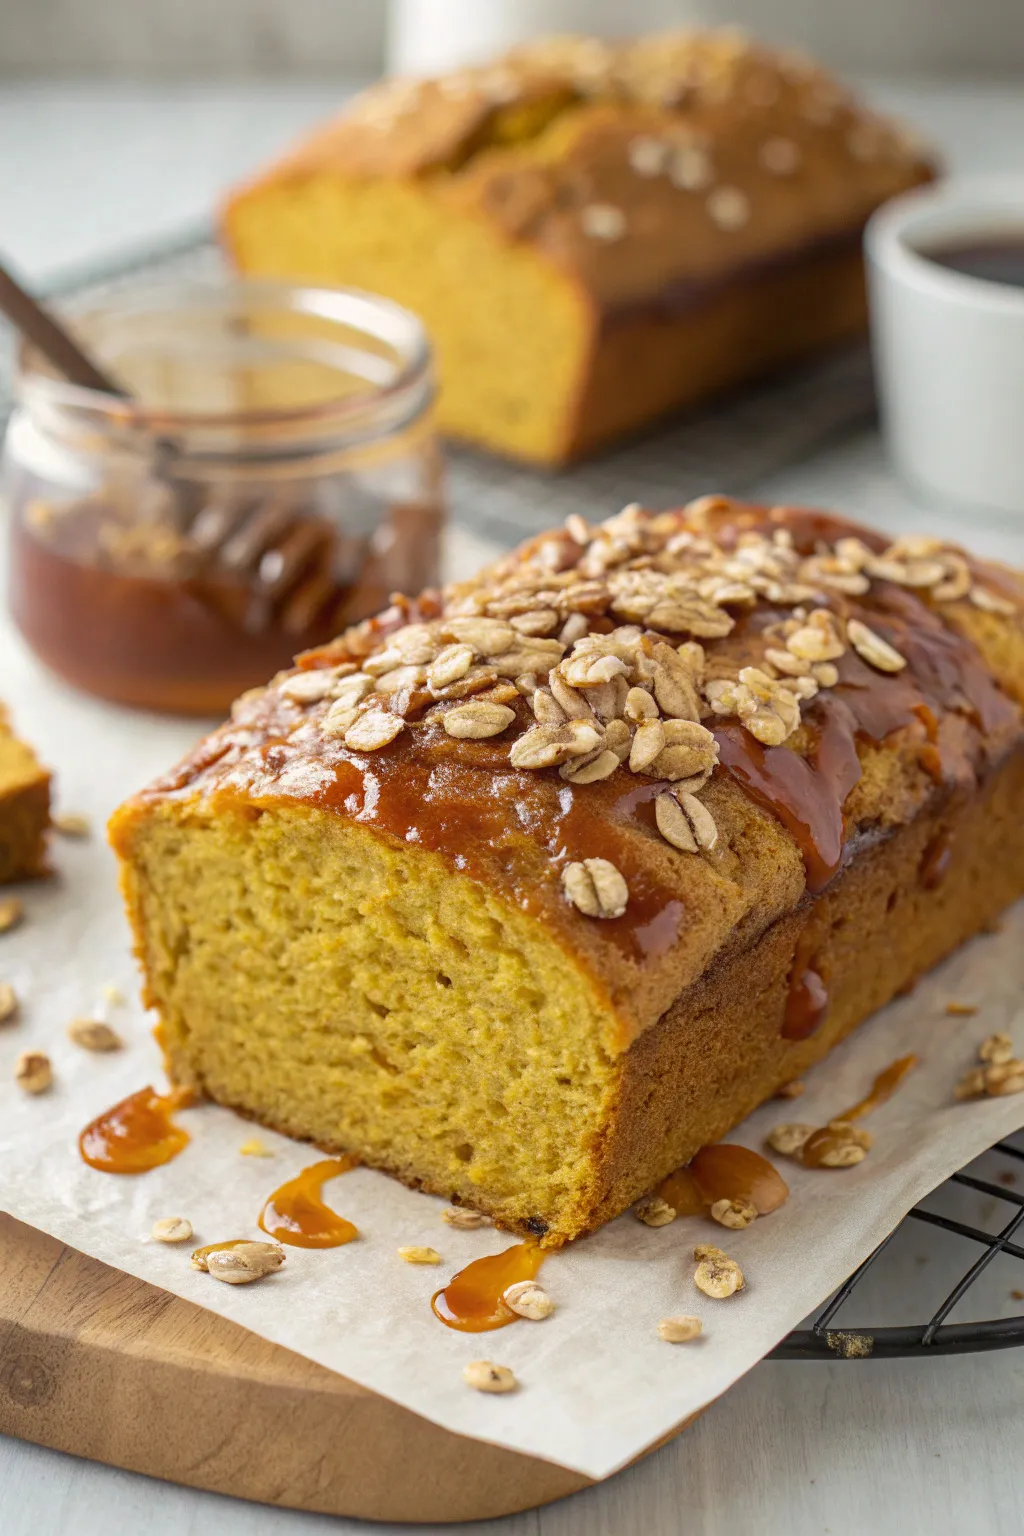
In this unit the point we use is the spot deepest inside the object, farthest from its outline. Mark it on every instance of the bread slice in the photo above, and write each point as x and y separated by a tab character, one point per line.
594	235
24	807
520	891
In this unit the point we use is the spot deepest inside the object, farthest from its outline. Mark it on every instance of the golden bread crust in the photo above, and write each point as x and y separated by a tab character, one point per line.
24	807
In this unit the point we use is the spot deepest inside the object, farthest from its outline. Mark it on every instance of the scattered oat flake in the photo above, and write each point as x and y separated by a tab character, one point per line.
996	1048
242	1263
416	1255
528	1299
733	1213
791	1090
8	1002
788	1139
961	1010
72	824
1017	1295
485	1376
654	1212
716	1274
94	1035
255	1148
171	1229
680	1330
463	1219
11	913
33	1072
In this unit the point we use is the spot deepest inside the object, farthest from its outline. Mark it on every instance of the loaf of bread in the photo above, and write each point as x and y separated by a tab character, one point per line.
24	807
594	235
527	890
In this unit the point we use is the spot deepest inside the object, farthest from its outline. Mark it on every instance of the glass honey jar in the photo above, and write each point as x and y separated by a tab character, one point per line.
270	476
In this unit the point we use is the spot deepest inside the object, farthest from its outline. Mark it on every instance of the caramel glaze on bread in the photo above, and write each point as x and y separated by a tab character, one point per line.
526	890
594	234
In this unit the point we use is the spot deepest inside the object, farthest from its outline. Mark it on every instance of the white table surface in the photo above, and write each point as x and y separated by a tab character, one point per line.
795	1449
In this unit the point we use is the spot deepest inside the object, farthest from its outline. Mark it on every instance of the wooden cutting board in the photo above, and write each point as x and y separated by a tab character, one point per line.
102	1365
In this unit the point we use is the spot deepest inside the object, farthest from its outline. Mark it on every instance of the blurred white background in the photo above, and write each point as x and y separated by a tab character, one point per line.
265	37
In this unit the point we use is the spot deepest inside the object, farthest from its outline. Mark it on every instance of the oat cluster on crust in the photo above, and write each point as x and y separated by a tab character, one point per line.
592	651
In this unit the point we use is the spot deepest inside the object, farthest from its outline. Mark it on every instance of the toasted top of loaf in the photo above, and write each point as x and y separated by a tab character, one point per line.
632	166
719	704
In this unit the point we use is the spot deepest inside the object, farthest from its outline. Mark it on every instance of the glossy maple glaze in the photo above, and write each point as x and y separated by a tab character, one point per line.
724	1171
882	1089
472	1299
936	859
806	1004
296	1213
515	831
233	1242
682	1192
822	1141
819	1145
944	674
136	1134
807	794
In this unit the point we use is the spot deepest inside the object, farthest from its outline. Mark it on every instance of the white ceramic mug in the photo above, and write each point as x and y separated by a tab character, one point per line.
948	347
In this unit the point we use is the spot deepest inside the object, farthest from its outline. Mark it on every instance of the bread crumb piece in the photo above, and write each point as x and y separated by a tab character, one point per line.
465	1220
734	1213
850	1346
485	1376
72	824
961	1010
654	1212
246	1262
996	1048
254	1148
8	1002
419	1255
33	1072
680	1330
716	1274
92	1035
1017	1295
11	913
527	1299
790	1090
171	1229
113	996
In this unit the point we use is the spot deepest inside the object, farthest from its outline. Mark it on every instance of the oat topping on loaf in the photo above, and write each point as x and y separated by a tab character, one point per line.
584	632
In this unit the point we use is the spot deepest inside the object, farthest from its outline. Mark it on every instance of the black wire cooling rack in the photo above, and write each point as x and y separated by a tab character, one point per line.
730	449
824	1340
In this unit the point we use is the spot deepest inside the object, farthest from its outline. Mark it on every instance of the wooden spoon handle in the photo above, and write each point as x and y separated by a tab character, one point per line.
52	340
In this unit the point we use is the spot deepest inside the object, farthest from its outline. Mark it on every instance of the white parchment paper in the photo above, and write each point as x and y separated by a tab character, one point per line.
597	1385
